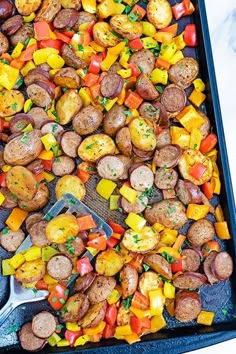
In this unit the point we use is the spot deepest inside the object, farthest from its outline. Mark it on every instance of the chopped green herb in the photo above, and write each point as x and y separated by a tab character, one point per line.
20	82
62	301
68	28
60	326
191	289
127	302
104	101
159	89
5	231
48	217
27	41
115	34
64	89
195	146
117	248
128	9
14	106
133	17
12	329
34	290
127	113
5	61
146	267
164	279
80	47
224	311
169	258
25	138
66	292
120	210
136	239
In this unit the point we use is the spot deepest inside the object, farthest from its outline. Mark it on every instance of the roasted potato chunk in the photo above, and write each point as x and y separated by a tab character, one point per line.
94	316
61	227
70	184
129	280
103	36
149	281
142	134
159	13
11	102
22	183
95	146
31	271
68	106
75	308
127	29
141	242
108	263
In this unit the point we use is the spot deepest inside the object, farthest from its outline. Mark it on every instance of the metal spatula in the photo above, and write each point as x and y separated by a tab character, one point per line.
20	295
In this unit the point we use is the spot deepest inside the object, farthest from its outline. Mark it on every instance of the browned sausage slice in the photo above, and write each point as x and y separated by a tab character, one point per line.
74	247
63	165
70	142
168	156
137	207
38	234
206	126
184	72
123	141
146	109
51	127
4	44
189	280
84	282
39	116
28	340
40	93
36	74
111	85
127	162
36	166
142	155
32	219
188	192
187	305
164	120
114	120
24	32
87	120
66	18
163	138
7	9
12	24
100	289
44	324
39	200
141	178
94	316
207	268
10	200
110	167
173	98
200	232
11	240
83	18
146	89
59	267
70	57
48	10
191	259
75	308
222	266
159	264
144	59
20	122
166	178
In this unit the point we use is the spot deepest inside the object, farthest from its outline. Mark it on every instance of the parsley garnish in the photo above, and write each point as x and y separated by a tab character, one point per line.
159	88
5	231
133	17
169	258
146	267
104	101
25	138
128	9
127	302
14	106
80	47
127	113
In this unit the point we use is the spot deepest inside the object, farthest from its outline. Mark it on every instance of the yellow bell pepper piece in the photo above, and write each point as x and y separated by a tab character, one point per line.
180	136
40	56
8	76
6	168
124	73
164	37
215	169
118	8
157	301
92	250
81	340
132	338
216	184
95	330
34	252
48	141
134	112
148	29
170	251
219	213
124	59
46	155
2	198
29	18
105	188
158	227
213	155
85	97
81	73
63	343
149	42
53	339
96	47
114	202
17	50
128	193
168	51
86	53
157	323
55	61
159	76
84	26
108	61
196	211
89	6
123	330
113	297
170	308
110	103
199	85
222	230
135	222
29	128
72	326
7	269
48	176
139	313
197	98
169	290
106	8
130	2
176	57
49	280
31	42
205	318
117	49
179	41
48	252
169	236
16	218
195	139
17	260
190	118
27	67
27	105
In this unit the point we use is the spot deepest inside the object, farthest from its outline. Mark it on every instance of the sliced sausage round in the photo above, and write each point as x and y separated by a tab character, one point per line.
39	116
100	289
165	178
36	166
191	259
10	200
2	162
84	17
19	122
206	126
84	282
200	232
32	219
74	247
44	324
184	72
111	85
110	167
4	44
173	98
87	120
188	192
164	120
222	266
37	233
114	120
94	315
144	59
70	142
137	207
187	305
141	178
63	165
129	280
71	58
212	279
12	24
36	74
143	155
51	127
114	68
6	9
66	18
59	267
146	89
189	280
11	240
40	95
169	212
75	308
146	109
123	141
159	264
21	35
127	162
28	340
167	156
163	138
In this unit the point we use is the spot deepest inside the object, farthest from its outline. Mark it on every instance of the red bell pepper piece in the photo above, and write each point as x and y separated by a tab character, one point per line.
42	30
3	182
58	296
133	100
111	314
178	10
83	175
62	37
51	43
108	331
138	11
83	266
41	285
47	164
136	325
99	243
197	170
95	93
136	44
208	190
91	79
171	29
116	227
190	35
94	66
27	54
69	33
177	265
71	336
135	69
112	242
140	301
86	222
90	28
208	143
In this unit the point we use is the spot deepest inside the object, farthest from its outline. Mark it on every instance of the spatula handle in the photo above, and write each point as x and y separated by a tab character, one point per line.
6	311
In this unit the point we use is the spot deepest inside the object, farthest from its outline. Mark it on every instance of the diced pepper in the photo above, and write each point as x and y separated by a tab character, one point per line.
109	331
195	139
159	76
113	297
170	251
167	50
29	18
27	67
170	307
133	100
161	63
3	182
205	318
40	56
199	85
149	42
208	143
213	155
105	188
158	227
196	211
169	290
84	95
62	37
86	222
164	37
168	236
114	202
197	170
95	330
27	105
179	242
139	313
42	31
123	330
99	243
81	340
34	252
41	285
2	198
106	8
108	61
53	339
58	296
148	29
176	57
178	10
63	343
119	8
128	193
116	227
138	12
157	323
94	66
17	64
7	269
132	338
16	218
124	73
140	301
48	176
48	252
180	136
222	230
83	266
197	98
49	280
8	76
135	222
190	118
157	300
179	41
48	141
73	326
209	246
111	314
208	190
216	183
171	29
71	336
17	50
177	265
83	175
219	213
124	58
89	6
16	261
50	43
55	61
110	103
6	168
190	35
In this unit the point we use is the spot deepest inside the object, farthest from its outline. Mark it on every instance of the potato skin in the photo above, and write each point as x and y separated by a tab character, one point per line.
11	102
95	146
108	263
31	271
70	184
123	141
77	305
184	72
87	120
71	4
94	316
100	289
67	77
68	106
114	120
103	36
61	227
142	134
159	13
159	264
22	183
38	201
127	29
129	280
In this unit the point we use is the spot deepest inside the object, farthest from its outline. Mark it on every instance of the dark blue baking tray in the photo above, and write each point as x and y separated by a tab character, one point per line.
177	337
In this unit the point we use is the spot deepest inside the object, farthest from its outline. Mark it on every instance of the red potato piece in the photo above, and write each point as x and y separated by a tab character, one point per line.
144	59
163	138
200	232
59	267
207	268
84	282
188	192
187	305
110	167
222	266
129	280
37	233
94	315
111	85
70	142
66	18
39	116
75	308
100	289
137	207
11	240
73	248
168	156
12	24
44	324
71	59
123	141
159	264
191	259
166	178
184	72
87	120
146	89
28	340
127	162
4	44
173	98
149	281
123	316
32	219
141	178
189	280
67	77
10	200
63	165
